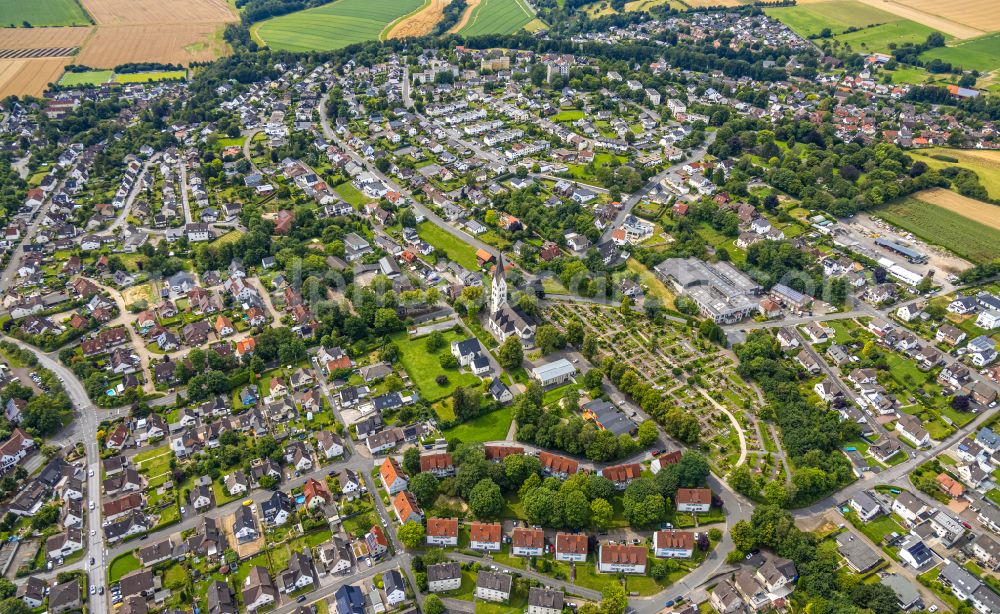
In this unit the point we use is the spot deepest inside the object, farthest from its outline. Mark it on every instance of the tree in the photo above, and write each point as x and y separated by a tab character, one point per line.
519	467
511	353
411	461
486	500
614	600
775	493
13	605
692	470
648	433
433	605
743	536
601	514
435	341
7	588
548	338
424	487
411	534
576	512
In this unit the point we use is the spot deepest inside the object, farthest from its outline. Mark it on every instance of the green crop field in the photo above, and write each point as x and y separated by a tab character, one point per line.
91	77
146	77
333	26
498	17
967	238
878	38
982	54
42	13
809	19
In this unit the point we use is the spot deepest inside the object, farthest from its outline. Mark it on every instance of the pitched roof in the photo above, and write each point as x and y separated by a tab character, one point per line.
442	527
527	538
571	543
485	532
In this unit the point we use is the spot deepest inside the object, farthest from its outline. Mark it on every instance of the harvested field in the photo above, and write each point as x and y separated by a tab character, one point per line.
116	12
470	8
41	38
420	23
30	76
977	14
177	44
946	17
975	210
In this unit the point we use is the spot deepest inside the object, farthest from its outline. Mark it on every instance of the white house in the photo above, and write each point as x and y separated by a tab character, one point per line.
619	558
673	544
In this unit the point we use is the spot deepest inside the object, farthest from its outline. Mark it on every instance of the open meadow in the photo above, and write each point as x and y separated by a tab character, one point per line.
811	19
982	54
334	25
946	224
42	13
498	17
879	38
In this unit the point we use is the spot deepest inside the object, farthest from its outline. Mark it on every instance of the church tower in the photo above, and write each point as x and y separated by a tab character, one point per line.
498	296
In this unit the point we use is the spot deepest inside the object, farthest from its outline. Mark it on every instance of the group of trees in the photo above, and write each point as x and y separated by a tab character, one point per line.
547	428
811	434
679	424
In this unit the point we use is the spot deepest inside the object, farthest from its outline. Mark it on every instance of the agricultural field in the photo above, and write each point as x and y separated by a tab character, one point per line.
498	17
979	14
959	18
90	77
470	8
419	23
984	162
163	12
29	77
878	38
978	211
333	26
942	226
42	13
982	54
42	38
173	44
811	19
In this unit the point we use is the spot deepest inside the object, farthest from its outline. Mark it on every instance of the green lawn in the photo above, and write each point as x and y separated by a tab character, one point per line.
490	427
334	25
13	13
122	565
351	195
569	115
424	366
446	243
90	77
146	77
